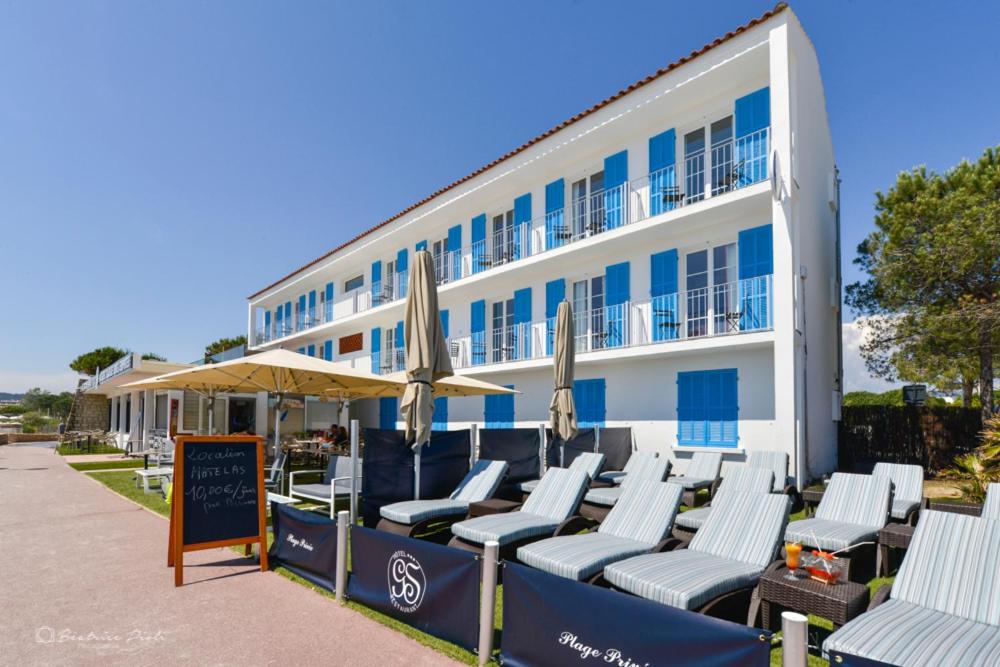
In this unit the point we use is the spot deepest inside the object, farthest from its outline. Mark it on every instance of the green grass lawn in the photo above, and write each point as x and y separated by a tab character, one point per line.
123	483
68	449
106	465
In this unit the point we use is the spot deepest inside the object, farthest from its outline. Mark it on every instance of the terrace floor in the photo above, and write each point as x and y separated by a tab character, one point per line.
73	594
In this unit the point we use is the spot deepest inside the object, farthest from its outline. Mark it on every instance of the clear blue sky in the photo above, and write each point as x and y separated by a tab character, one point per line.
159	161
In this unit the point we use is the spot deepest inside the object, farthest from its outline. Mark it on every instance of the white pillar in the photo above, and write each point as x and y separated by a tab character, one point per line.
113	425
148	416
134	423
260	414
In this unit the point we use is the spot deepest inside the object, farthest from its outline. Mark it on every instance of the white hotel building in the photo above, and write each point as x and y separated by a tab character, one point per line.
691	219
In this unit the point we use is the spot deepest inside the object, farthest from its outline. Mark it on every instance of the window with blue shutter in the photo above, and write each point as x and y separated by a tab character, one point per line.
328	307
666	317
376	282
479	259
301	323
555	292
401	273
289	325
707	408
478	328
311	321
399	358
589	397
615	175
279	322
756	264
556	231
499	410
616	282
376	347
311	350
267	324
387	411
301	350
752	118
522	216
455	251
328	350
421	245
444	322
521	336
439	422
663	191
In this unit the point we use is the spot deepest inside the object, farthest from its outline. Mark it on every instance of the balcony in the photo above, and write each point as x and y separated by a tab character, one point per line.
720	310
388	361
731	165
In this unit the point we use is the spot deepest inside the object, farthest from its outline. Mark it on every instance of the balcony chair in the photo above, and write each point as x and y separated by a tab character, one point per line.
598	502
738	480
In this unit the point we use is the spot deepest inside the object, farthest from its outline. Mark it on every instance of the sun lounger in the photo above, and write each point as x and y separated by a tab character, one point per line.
616	476
548	511
943	608
638	523
702	473
740	479
853	509
598	502
412	517
907	491
776	462
991	508
587	462
718	571
336	483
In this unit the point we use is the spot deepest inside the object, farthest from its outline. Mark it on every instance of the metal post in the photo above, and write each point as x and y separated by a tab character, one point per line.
354	471
487	604
473	444
211	414
597	439
541	449
343	517
795	639
416	472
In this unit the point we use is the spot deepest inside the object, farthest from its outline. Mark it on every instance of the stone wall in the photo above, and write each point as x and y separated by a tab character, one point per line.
11	438
90	414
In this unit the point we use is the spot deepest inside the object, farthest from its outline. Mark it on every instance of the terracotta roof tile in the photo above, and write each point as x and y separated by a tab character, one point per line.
621	93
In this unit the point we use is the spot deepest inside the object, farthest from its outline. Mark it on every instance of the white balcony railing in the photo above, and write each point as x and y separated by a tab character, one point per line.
728	165
732	308
388	361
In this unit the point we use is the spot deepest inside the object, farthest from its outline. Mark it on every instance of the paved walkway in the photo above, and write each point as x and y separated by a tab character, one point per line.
85	582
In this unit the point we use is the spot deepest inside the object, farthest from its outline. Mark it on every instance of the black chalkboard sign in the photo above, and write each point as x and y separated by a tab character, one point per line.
218	496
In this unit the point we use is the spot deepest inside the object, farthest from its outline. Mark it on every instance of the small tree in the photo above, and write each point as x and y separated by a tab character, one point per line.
222	345
102	357
152	356
933	262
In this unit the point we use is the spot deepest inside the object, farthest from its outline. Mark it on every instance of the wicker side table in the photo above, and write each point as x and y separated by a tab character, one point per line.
893	536
811	499
838	602
958	508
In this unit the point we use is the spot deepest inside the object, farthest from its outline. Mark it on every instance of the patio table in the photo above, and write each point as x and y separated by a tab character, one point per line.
893	536
838	602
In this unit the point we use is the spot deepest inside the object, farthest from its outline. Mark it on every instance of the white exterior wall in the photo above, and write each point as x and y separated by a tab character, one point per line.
785	394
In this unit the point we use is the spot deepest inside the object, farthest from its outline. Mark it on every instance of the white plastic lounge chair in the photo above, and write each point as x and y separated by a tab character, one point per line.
588	462
638	523
274	473
411	517
853	509
738	480
616	476
907	491
548	511
702	473
598	502
336	483
991	508
943	608
718	571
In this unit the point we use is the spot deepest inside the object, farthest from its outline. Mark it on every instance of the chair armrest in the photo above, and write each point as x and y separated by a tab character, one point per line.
341	479
881	595
574	525
291	476
669	544
714	487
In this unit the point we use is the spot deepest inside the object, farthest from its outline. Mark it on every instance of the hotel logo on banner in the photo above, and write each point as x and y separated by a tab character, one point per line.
407	582
611	656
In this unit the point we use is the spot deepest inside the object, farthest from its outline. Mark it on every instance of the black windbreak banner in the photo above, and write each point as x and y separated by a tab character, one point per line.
584	442
428	586
519	448
616	445
549	620
848	660
444	462
304	543
388	474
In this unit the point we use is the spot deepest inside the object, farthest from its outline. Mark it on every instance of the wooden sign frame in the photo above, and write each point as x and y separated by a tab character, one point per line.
175	543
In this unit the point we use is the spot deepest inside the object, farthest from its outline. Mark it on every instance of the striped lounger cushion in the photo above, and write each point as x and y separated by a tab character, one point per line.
693	519
701	472
637	523
854	508
776	462
828	535
991	508
728	553
737	480
945	604
588	462
908	487
414	511
636	459
480	482
651	469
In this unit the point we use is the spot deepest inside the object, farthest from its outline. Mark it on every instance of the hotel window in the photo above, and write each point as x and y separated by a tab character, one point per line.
357	282
588	205
724	296
694	165
697	293
389	281
723	169
439	250
503	237
588	314
707	408
503	330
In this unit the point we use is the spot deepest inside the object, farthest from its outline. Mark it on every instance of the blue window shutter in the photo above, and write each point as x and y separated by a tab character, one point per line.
376	347
662	181
288	314
400	340
301	350
598	401
328	350
376	282
617	287
753	112
439	422
421	245
555	292
455	248
522	305
555	196
615	170
329	292
663	290
755	261
479	243
302	311
267	321
478	329
444	322
581	400
589	397
312	307
662	150
311	350
522	216
401	260
388	408
555	220
499	410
